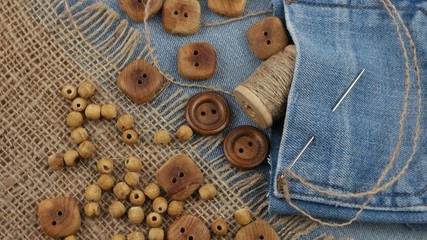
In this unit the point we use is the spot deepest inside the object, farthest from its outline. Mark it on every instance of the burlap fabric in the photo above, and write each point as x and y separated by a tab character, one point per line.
46	44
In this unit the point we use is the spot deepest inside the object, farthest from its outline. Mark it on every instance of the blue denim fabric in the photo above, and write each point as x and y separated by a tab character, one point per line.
335	40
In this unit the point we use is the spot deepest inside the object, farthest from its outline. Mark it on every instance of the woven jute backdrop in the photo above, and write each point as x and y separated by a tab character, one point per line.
46	44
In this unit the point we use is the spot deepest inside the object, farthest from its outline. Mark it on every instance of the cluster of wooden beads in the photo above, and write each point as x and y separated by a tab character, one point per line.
125	124
183	134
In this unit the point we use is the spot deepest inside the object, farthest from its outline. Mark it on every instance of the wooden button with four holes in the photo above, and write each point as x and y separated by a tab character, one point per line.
135	9
207	113
257	230
227	8
140	81
197	61
267	37
188	227
179	177
181	16
246	147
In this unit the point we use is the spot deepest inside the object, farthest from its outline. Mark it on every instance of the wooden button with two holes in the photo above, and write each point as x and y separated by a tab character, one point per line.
246	147
197	61
135	9
227	8
140	81
188	227
181	16
207	113
257	230
179	177
267	37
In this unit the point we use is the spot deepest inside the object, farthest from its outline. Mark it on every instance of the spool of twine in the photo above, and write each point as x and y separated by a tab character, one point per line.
263	96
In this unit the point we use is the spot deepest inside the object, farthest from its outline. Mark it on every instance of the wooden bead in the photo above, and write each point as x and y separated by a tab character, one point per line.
136	9
227	8
137	197
74	119
79	135
133	164
69	92
243	216
152	191
121	190
181	16
104	165
56	161
219	227
267	37
184	133
108	111
162	137
92	209
188	227
93	112
71	237
154	220
118	237
207	192
105	182
130	136
79	104
71	158
136	236
140	81
175	208
59	217
136	215
117	209
86	149
257	230
156	234
125	122
197	61
160	205
93	193
132	178
86	89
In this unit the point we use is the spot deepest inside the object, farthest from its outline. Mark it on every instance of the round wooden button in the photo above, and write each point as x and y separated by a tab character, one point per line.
246	147
188	227
207	113
257	230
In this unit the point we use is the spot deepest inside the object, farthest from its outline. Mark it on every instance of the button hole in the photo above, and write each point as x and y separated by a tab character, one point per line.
196	53
213	111
266	34
181	174
250	144
182	230
144	75
241	150
190	238
53	223
196	64
59	213
139	1
174	180
203	113
261	237
139	82
186	15
175	12
268	42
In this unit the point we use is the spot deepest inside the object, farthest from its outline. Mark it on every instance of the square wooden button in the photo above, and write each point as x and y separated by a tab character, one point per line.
267	37
227	8
197	61
181	16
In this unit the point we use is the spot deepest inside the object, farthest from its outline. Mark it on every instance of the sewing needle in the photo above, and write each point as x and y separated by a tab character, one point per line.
348	90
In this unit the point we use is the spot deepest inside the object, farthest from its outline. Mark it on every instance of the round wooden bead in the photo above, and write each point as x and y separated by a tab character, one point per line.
207	192
69	92
136	236
86	89
71	237
175	208
152	191
160	205
117	209
78	104
56	161
133	164
137	197
118	237
162	137
92	209
197	61
130	136
184	133
105	182
219	227
71	158
93	112
108	111
104	165
79	135
93	193
154	220
136	9
74	119
125	122
156	234
132	178
136	215
86	149
243	216
121	190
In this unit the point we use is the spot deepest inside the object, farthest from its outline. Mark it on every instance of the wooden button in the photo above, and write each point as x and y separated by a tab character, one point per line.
227	8
179	177
207	113
257	230
59	217
267	37
246	147
135	9
181	16
140	81
188	227
197	61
